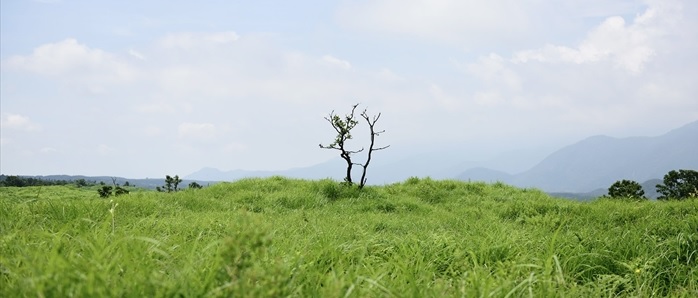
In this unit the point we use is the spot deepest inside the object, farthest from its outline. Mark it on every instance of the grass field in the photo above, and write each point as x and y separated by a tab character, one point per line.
281	237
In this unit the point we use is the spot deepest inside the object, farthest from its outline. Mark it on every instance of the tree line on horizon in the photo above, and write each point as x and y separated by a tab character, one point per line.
677	185
23	181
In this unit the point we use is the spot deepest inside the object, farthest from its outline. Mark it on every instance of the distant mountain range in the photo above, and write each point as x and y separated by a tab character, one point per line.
584	169
580	171
385	169
649	186
599	161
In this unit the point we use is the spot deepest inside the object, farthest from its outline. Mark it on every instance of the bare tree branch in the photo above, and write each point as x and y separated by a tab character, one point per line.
371	124
343	127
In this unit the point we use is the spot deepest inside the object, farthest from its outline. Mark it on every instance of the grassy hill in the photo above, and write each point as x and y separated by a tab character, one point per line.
285	237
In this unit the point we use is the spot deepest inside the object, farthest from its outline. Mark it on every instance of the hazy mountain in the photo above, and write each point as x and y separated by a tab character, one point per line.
387	169
213	174
580	196
485	174
649	186
589	166
582	170
329	169
599	161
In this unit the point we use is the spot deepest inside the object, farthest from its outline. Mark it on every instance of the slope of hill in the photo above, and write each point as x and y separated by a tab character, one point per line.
598	161
283	237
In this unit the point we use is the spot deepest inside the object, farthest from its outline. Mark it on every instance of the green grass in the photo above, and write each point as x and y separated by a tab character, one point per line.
281	237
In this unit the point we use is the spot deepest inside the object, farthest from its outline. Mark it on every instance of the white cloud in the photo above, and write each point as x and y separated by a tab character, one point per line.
48	150
617	73
155	108
136	54
495	71
201	131
484	25
230	101
439	19
19	122
627	46
388	75
234	148
152	131
331	60
189	40
488	98
105	150
68	57
487	67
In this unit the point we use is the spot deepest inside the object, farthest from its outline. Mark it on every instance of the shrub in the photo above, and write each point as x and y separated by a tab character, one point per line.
626	189
678	185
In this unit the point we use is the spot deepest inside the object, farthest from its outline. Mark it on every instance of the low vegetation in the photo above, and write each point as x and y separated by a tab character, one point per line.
171	184
677	185
626	189
283	237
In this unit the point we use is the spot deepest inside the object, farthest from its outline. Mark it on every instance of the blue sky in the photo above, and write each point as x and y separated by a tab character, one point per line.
148	88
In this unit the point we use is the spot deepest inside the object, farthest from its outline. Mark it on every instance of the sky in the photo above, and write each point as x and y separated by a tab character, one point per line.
148	88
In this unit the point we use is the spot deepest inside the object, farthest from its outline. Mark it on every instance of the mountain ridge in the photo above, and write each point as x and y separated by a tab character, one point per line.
584	168
598	161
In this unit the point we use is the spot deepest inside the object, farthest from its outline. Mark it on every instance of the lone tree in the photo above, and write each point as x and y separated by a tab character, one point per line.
107	191
626	189
679	185
343	127
171	184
